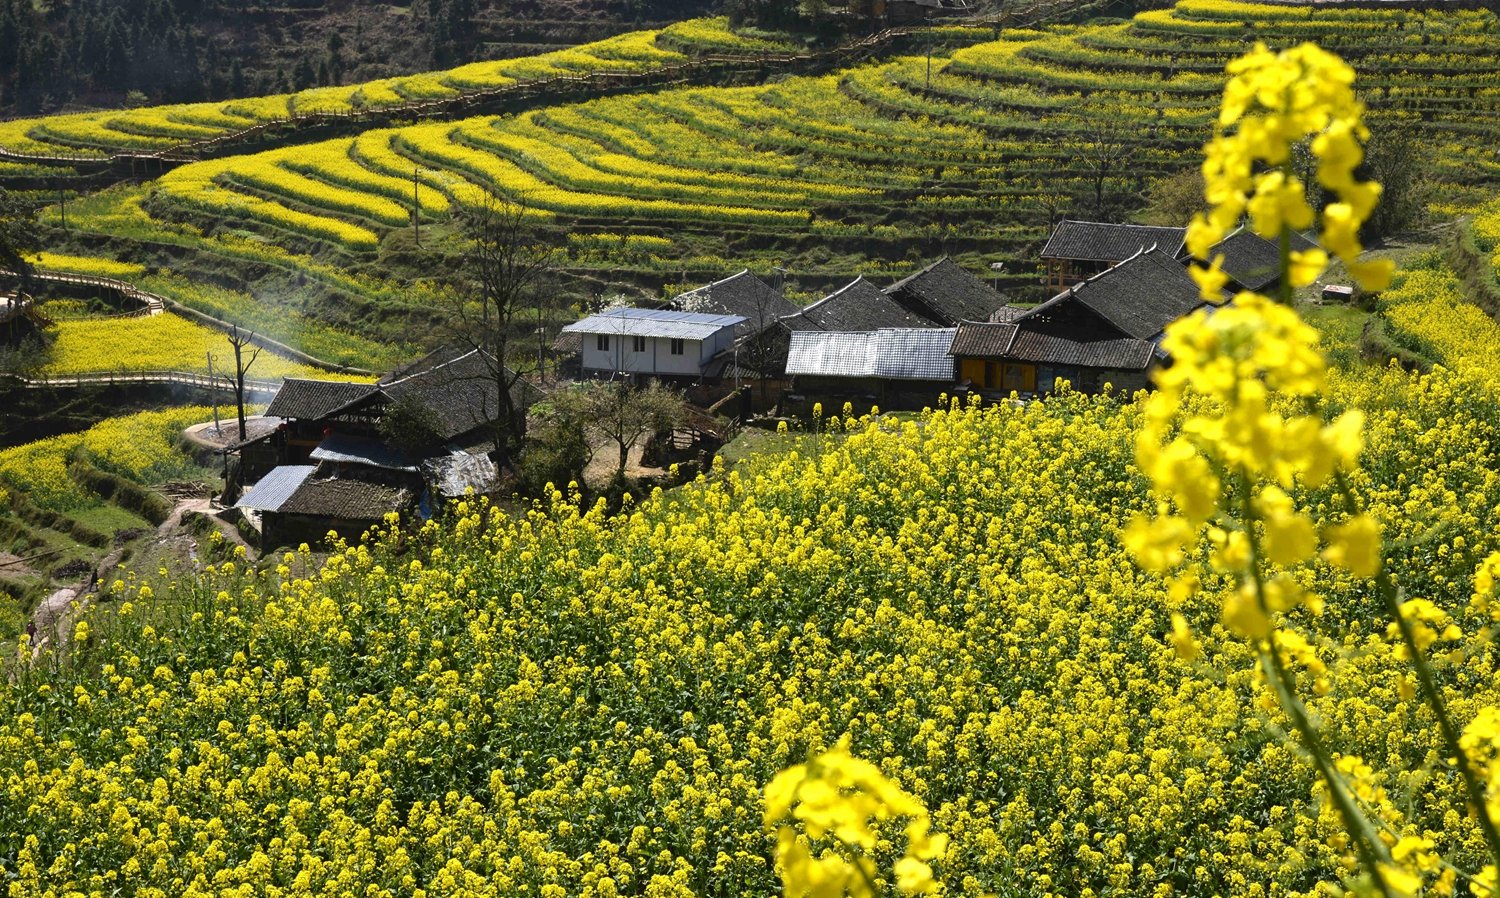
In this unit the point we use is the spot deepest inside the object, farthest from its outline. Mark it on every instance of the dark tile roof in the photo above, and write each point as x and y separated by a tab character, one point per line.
460	393
1011	342
945	294
741	294
1253	261
311	399
1124	354
351	499
1099	241
1139	297
982	339
857	306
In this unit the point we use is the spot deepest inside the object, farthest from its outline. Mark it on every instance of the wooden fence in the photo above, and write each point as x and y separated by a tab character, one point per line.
265	388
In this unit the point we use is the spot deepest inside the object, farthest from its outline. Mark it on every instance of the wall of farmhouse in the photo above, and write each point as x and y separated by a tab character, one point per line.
655	358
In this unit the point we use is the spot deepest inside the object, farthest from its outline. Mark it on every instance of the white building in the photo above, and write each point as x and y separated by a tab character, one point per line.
652	342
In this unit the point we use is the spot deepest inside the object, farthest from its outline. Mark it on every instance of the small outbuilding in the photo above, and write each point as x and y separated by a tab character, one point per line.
894	368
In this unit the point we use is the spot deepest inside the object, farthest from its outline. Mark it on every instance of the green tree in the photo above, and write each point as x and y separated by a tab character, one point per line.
18	236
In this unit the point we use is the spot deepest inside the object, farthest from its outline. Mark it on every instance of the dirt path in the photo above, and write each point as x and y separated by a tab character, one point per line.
52	621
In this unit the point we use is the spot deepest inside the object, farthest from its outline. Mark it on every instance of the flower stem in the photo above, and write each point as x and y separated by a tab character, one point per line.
1367	844
1390	594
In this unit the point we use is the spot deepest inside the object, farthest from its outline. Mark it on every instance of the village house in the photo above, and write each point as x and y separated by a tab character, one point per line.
1253	262
893	368
657	343
333	465
944	294
1078	250
1106	329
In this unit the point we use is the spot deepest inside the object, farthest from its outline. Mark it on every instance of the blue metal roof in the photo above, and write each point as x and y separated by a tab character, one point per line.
654	323
276	487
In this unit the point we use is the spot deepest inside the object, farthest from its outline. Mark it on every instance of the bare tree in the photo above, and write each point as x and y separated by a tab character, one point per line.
623	414
505	259
239	341
1100	153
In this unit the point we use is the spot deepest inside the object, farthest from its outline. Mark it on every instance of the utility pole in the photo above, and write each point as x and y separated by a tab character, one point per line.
929	68
218	428
416	206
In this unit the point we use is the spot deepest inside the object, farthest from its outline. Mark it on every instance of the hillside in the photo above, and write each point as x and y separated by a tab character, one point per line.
100	53
867	170
567	703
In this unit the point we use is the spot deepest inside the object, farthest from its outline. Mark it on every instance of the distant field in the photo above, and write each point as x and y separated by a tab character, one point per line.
161	127
998	141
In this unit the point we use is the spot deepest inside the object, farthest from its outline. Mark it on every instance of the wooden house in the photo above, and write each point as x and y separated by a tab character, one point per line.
657	343
1078	250
1001	358
1253	262
943	294
893	368
329	467
1106	329
304	503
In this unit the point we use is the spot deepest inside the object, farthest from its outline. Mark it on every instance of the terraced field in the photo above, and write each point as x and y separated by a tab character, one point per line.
977	156
163	127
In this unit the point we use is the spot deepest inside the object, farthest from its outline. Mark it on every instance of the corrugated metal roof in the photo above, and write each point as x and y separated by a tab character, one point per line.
276	487
914	354
890	353
343	447
654	323
1102	241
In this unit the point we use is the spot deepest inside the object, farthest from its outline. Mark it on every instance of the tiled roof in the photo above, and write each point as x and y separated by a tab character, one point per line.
946	294
662	323
889	353
1125	353
982	339
857	306
1100	241
1139	297
460	395
1253	261
1015	343
312	399
346	498
272	491
741	294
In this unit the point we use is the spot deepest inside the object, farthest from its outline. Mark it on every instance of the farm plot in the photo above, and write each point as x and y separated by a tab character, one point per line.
976	153
158	128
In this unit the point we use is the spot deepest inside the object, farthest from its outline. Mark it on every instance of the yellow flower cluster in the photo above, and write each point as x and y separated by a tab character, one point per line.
840	799
554	698
1272	102
1221	412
